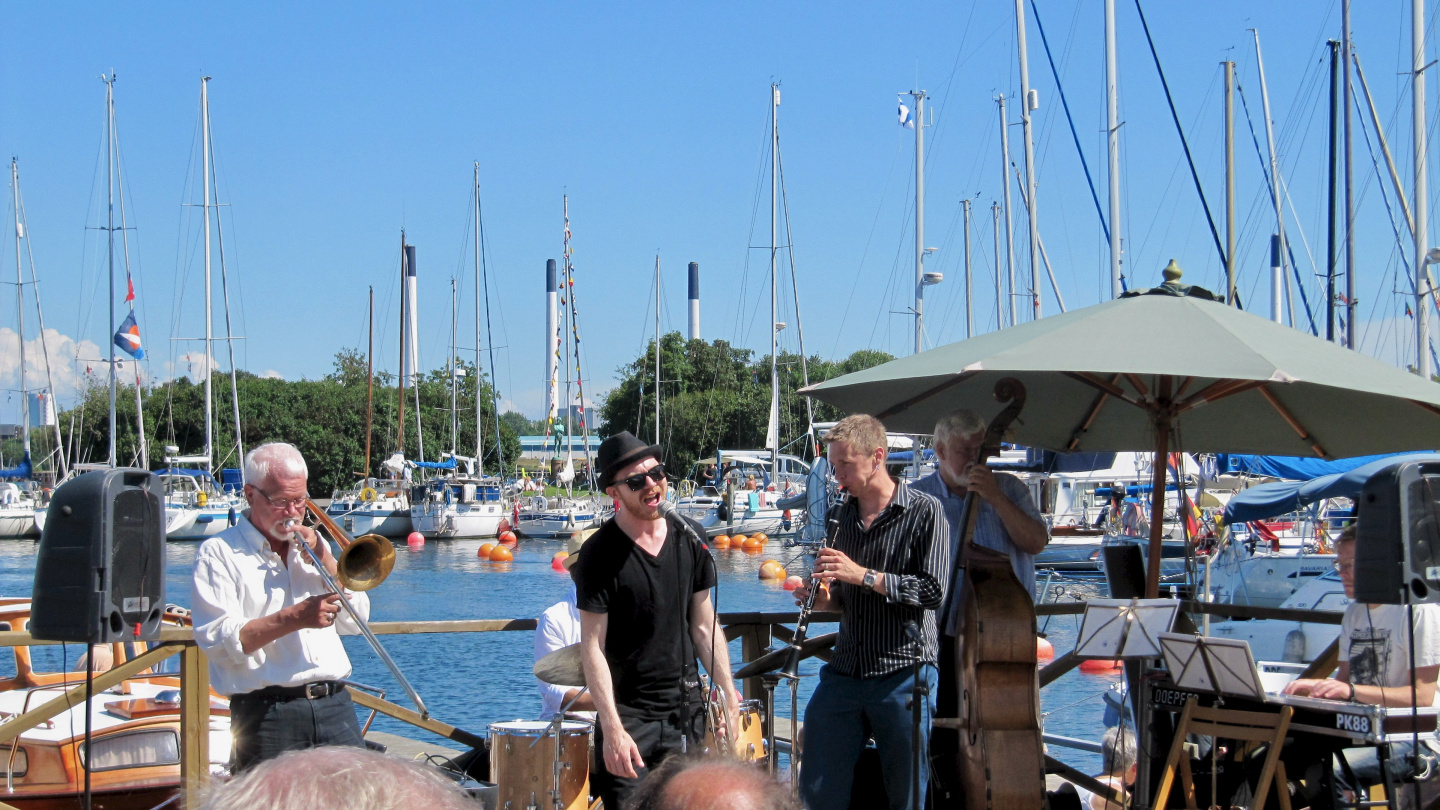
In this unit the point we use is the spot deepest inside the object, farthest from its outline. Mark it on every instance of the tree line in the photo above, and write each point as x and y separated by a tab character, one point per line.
715	395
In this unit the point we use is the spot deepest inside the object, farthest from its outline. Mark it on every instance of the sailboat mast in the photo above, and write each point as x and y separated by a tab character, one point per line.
657	348
1028	105
400	414
999	290
969	288
1348	97
1230	295
1277	243
569	327
20	308
480	421
1422	222
454	392
1112	144
110	239
209	326
370	381
919	96
1009	226
773	434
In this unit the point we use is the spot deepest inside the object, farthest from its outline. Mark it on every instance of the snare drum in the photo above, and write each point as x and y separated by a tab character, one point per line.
748	742
525	773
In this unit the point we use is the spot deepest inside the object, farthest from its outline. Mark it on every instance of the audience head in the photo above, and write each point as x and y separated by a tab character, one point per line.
339	778
683	783
1117	749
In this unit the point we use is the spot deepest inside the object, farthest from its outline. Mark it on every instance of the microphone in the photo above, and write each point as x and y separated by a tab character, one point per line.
912	630
667	509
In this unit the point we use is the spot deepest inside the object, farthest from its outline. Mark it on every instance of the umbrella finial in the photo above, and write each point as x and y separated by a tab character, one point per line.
1172	272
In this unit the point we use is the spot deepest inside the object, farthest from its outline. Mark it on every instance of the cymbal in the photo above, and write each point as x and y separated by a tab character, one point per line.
771	661
561	667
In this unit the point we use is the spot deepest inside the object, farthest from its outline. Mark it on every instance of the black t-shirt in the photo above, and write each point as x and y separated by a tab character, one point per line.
647	599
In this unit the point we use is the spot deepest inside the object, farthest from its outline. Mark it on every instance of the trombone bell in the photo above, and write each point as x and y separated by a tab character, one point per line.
366	562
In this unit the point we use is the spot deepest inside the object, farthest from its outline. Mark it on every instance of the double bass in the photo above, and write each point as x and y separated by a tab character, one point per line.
1002	761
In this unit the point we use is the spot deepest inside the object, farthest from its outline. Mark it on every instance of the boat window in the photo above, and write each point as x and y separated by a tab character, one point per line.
136	750
15	768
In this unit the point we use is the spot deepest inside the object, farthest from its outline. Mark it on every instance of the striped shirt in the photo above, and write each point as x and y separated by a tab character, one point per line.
907	542
989	532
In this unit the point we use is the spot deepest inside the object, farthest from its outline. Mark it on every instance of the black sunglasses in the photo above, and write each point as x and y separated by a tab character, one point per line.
637	481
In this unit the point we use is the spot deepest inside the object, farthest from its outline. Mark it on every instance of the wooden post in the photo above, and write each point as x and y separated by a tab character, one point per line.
753	644
194	725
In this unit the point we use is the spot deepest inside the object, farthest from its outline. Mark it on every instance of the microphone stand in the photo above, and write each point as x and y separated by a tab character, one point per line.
919	691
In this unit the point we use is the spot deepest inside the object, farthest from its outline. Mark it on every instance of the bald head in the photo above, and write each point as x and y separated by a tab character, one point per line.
711	784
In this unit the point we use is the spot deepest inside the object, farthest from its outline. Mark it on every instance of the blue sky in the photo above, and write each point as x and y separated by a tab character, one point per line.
335	125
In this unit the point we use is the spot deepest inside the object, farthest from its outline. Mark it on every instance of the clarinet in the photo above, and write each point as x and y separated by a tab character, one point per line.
792	664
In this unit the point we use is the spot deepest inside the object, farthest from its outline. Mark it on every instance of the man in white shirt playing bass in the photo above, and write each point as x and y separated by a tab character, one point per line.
269	625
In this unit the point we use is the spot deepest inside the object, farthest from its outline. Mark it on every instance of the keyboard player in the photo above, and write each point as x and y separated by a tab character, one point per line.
1375	666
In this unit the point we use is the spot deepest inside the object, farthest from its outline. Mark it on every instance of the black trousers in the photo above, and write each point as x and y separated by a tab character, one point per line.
657	739
266	727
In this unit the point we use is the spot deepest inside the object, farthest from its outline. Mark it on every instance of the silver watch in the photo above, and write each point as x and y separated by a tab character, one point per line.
869	581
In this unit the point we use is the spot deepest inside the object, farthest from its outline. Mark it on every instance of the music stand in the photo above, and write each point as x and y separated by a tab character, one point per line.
1125	628
1223	666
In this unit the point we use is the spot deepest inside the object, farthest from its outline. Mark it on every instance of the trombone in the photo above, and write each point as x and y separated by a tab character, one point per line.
363	564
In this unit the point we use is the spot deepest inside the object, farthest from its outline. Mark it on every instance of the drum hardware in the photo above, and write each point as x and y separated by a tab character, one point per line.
770	680
519	775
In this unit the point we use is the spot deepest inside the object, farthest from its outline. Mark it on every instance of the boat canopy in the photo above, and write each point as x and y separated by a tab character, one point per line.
193	473
1295	467
22	470
447	464
1281	497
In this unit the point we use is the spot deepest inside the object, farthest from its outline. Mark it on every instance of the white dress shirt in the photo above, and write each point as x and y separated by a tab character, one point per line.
238	578
559	626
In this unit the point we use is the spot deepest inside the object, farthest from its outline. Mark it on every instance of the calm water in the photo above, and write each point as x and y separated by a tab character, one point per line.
470	680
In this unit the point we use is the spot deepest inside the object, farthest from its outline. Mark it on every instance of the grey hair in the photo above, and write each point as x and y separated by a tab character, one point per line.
710	783
961	424
338	778
1117	749
274	457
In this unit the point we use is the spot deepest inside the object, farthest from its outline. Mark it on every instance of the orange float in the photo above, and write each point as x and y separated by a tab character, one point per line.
764	538
558	561
501	554
772	569
1044	650
754	542
504	526
415	540
791	583
1100	666
485	550
508	538
720	541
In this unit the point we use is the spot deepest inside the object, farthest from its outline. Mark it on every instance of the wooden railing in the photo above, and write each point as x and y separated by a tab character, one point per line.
756	631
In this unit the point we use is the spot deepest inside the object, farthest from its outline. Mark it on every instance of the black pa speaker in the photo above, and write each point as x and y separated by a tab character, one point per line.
1397	535
100	570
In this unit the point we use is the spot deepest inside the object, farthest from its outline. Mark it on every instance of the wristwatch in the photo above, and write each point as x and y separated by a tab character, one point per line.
869	581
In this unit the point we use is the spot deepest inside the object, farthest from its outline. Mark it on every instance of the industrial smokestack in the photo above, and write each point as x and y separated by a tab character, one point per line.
409	360
552	341
694	300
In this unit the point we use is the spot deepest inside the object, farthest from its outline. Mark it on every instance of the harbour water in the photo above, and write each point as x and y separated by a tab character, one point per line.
470	680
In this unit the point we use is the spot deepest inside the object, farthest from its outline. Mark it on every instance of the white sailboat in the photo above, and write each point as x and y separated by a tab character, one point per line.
468	503
196	506
568	513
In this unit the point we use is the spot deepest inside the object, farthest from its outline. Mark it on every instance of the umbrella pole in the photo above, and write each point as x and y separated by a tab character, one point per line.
1157	506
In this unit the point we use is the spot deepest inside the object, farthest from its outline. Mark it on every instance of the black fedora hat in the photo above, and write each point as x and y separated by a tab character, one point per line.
621	450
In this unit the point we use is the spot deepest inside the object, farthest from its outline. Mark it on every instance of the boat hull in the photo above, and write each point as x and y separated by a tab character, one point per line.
458	519
18	522
186	523
556	524
386	521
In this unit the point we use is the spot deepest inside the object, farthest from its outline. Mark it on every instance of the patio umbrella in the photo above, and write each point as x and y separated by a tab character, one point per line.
1170	368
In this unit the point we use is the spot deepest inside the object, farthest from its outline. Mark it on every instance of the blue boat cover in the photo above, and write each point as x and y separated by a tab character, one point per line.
448	464
1299	468
907	456
1281	497
21	471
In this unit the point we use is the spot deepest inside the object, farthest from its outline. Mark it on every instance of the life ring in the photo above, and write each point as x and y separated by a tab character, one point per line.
367	494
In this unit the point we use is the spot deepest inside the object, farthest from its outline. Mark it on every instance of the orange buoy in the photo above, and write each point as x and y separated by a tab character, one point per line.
504	526
558	561
1101	666
771	569
415	539
508	538
485	550
720	541
792	582
754	542
501	554
764	538
1044	650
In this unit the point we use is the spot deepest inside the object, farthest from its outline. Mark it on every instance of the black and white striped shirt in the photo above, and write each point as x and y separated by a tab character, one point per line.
908	542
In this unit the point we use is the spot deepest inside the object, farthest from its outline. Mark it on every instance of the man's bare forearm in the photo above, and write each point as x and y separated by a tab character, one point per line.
597	672
258	632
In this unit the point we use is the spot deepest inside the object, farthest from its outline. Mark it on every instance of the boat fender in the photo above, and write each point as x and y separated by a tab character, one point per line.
233	518
367	494
447	496
201	499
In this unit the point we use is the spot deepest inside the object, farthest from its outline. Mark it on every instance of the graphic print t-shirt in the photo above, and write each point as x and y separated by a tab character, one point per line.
1374	641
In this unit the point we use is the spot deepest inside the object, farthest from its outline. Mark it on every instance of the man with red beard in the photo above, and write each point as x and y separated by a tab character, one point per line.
642	586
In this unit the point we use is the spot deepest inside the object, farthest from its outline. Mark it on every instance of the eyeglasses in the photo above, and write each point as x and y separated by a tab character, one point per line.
637	481
1344	567
283	505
